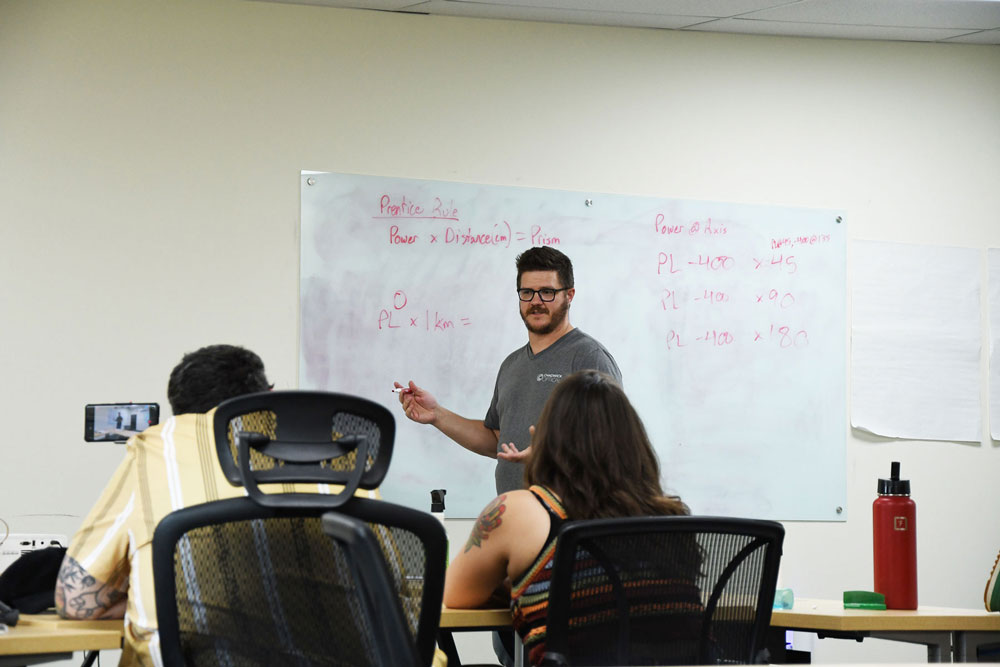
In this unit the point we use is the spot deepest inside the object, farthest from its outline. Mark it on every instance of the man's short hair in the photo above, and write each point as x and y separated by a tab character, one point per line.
206	377
545	259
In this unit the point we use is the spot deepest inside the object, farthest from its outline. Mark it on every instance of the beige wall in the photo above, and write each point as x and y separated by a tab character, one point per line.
149	161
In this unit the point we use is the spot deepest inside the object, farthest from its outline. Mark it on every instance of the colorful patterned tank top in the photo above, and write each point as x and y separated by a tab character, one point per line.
529	596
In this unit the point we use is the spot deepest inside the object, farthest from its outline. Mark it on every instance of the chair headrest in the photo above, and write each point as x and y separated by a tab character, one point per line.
309	437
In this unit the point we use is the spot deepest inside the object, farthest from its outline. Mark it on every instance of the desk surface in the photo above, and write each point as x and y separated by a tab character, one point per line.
808	614
812	615
47	633
474	618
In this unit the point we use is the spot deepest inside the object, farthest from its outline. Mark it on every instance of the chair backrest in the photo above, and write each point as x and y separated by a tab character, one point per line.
303	436
255	581
374	600
238	583
662	591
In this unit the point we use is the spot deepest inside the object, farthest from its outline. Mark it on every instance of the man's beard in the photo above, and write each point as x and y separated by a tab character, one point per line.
557	317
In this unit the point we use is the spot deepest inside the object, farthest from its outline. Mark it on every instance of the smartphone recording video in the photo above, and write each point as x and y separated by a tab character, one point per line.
117	422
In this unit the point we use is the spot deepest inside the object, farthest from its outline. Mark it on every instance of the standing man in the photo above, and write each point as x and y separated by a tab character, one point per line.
555	349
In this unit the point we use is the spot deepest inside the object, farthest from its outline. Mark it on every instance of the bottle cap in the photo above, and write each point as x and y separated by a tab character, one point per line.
894	486
437	500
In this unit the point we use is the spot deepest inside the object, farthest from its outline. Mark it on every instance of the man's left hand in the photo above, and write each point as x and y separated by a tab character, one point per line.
509	452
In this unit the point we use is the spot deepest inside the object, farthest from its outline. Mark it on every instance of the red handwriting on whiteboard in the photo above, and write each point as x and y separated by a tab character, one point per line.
784	336
498	236
425	321
440	324
444	211
385	320
538	237
403	209
716	338
434	321
709	228
717	263
714	229
710	338
713	297
777	298
780	262
408	209
663	228
666	263
395	238
669	300
791	242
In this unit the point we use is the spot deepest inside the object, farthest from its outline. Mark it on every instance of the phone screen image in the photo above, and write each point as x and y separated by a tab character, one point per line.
117	422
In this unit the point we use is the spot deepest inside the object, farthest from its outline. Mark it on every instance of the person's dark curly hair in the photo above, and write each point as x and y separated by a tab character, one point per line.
206	377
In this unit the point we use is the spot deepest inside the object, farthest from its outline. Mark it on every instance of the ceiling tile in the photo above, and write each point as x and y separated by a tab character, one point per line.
497	11
790	29
713	8
960	21
957	14
983	37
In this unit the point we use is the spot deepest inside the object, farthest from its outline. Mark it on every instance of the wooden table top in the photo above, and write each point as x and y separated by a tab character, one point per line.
807	614
810	615
47	633
474	618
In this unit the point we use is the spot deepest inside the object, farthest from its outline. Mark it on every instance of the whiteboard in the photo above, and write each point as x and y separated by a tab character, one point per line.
727	321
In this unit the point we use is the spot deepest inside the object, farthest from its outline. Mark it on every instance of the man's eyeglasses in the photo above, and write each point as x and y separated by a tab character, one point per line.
545	294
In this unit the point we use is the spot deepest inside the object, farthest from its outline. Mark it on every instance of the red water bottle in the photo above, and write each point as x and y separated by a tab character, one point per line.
894	524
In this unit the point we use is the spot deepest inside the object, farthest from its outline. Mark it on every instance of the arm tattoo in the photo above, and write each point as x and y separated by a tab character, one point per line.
81	595
73	577
487	522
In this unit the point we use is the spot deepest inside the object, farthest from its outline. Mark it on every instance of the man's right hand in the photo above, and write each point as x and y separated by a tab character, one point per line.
418	404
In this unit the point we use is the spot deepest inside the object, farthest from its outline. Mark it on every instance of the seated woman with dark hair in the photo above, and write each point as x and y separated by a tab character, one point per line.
590	458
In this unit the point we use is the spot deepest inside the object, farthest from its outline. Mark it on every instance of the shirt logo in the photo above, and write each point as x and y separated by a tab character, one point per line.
549	377
899	523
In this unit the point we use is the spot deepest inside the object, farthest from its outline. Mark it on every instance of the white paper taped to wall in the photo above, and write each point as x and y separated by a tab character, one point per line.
915	344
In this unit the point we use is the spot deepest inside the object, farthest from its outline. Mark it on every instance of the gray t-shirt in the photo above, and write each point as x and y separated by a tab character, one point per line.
524	383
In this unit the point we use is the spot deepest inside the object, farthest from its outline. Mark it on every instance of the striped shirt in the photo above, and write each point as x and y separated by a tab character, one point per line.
167	467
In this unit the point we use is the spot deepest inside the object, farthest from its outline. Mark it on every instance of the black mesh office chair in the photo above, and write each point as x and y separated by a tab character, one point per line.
662	591
370	595
256	581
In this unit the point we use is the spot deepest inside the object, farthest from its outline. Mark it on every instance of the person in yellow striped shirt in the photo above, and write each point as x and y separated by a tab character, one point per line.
108	568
